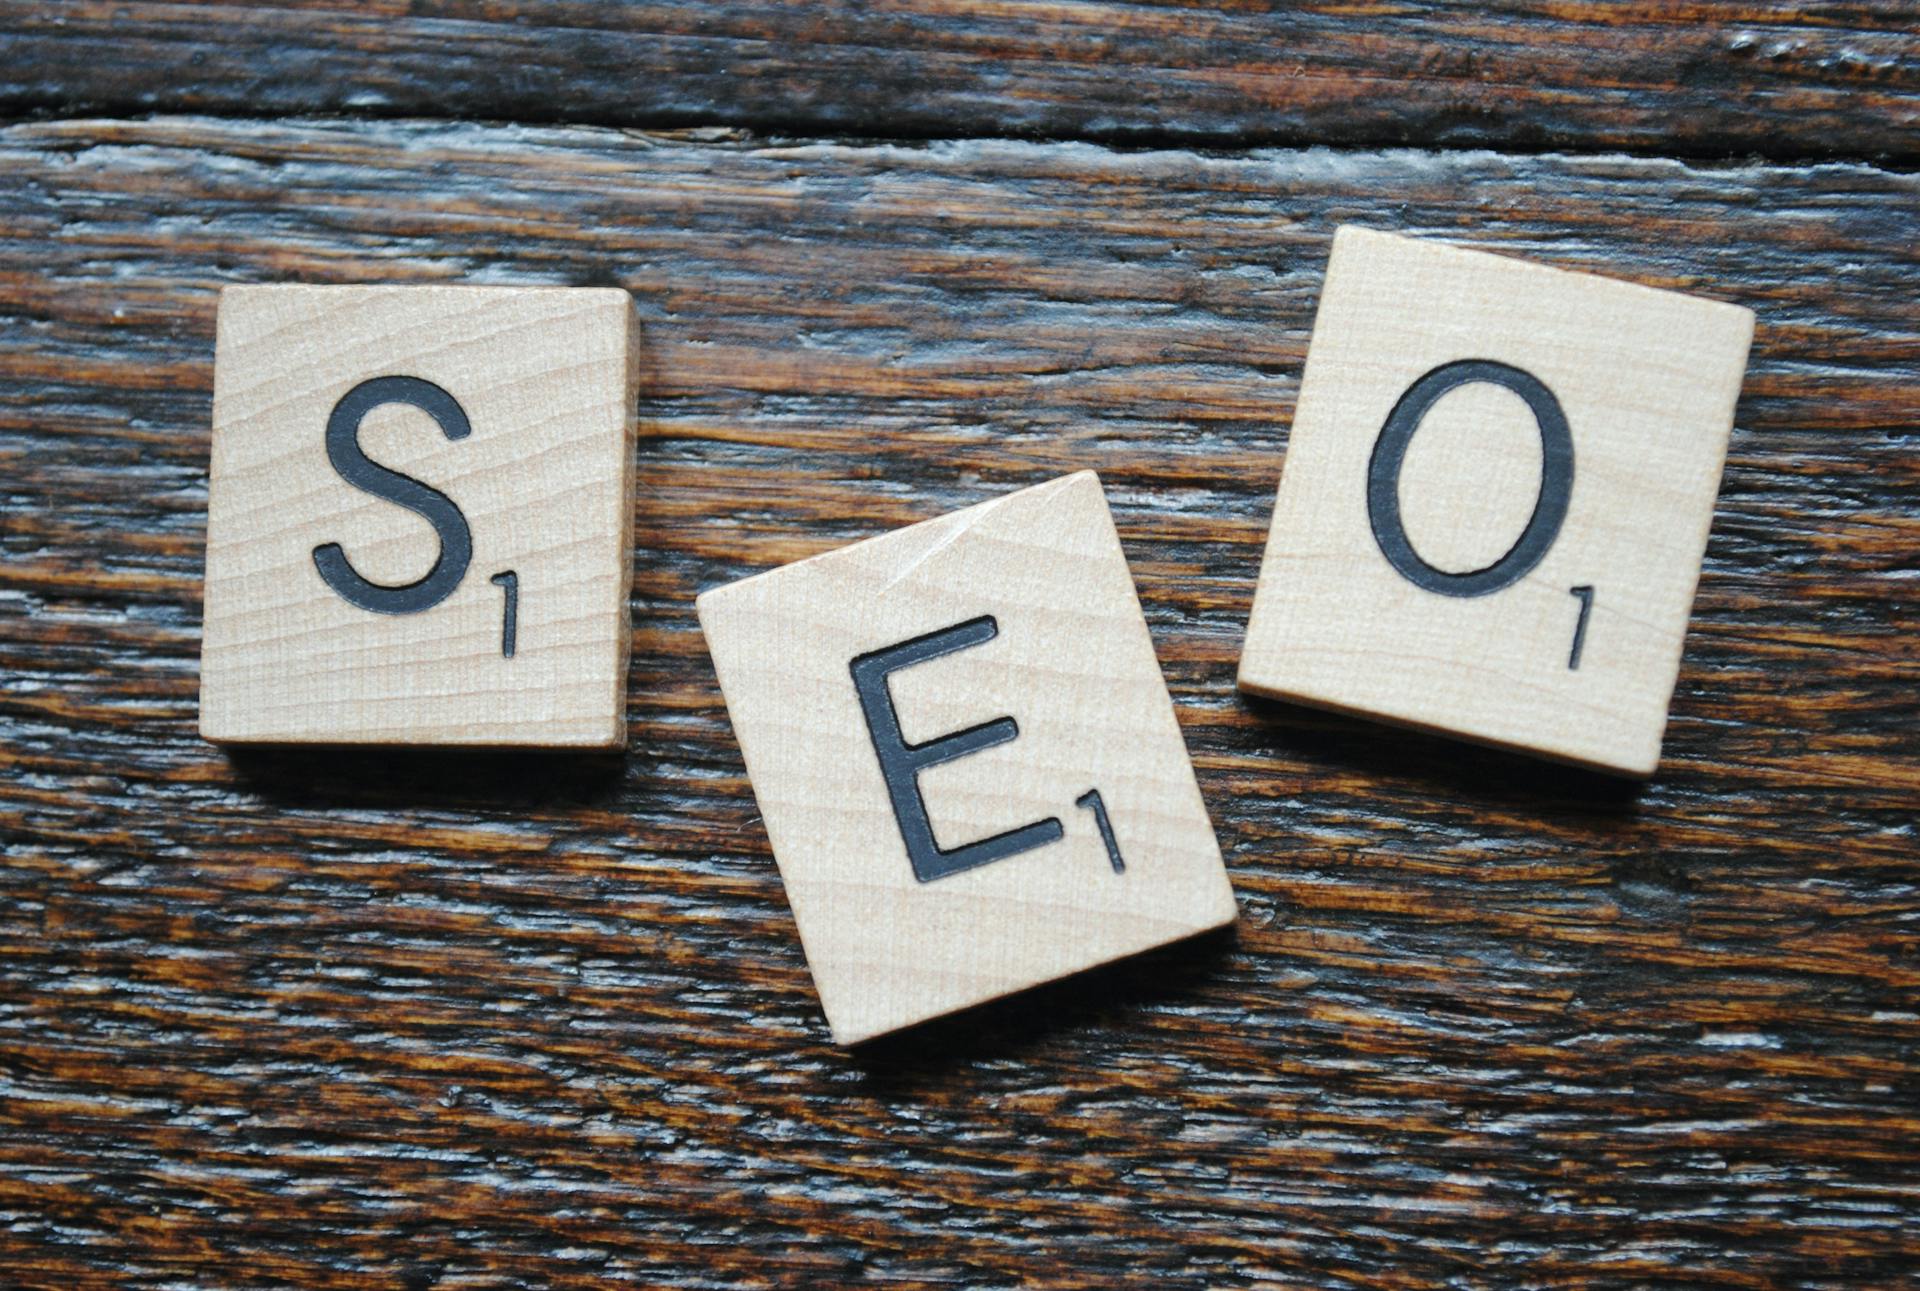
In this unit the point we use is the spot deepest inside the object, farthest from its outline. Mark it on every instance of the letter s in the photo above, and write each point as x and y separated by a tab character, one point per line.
436	508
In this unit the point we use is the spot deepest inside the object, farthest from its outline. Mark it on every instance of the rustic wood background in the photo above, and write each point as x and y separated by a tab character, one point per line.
392	1020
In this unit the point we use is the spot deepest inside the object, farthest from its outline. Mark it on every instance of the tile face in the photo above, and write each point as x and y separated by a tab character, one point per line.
419	523
1496	499
964	751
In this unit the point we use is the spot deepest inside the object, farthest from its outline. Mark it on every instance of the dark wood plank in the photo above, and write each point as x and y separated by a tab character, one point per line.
1717	78
388	1020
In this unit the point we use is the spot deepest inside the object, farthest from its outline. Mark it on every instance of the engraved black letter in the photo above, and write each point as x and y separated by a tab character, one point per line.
1390	451
436	508
901	763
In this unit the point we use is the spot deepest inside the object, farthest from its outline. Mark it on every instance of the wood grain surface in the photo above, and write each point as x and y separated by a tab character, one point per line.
1703	78
427	1020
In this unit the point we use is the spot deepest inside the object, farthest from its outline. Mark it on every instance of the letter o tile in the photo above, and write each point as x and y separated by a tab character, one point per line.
1565	638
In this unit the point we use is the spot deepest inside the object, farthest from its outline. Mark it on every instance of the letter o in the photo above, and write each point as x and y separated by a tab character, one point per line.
1390	453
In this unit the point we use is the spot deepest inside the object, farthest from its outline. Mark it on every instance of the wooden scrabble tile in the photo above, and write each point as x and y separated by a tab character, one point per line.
419	517
1496	500
966	758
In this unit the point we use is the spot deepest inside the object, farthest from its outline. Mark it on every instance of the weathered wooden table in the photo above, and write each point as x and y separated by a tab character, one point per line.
385	1019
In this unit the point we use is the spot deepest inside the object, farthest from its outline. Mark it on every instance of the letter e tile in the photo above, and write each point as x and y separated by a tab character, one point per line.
966	758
